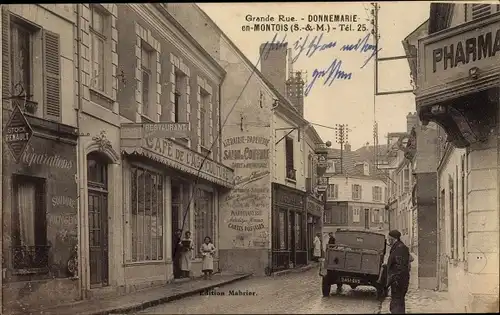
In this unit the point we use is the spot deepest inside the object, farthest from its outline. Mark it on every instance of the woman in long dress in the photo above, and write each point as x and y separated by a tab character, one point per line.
187	246
207	250
317	247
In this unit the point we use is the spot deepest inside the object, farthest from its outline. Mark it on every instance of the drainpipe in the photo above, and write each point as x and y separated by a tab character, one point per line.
219	155
79	150
1	171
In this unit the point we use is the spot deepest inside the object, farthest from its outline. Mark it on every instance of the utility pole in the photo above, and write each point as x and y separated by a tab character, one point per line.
341	136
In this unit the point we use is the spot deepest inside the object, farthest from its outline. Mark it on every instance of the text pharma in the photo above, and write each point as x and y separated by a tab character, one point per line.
469	50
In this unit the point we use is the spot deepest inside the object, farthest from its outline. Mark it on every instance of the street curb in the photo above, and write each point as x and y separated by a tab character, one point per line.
294	270
144	305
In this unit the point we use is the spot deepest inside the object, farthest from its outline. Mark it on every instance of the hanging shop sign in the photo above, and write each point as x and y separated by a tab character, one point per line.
17	133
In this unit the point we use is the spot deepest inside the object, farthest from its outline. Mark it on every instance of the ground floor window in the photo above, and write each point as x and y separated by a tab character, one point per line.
29	228
147	212
282	229
203	217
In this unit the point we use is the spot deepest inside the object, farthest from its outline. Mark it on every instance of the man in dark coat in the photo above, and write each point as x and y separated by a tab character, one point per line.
176	249
331	238
398	272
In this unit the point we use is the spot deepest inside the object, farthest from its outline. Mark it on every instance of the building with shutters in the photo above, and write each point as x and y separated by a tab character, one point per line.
40	184
264	219
461	94
138	188
356	192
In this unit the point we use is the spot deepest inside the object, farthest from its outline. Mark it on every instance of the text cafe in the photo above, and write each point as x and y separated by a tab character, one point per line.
39	208
159	176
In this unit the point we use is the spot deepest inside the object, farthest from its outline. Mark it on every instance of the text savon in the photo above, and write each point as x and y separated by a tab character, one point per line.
465	51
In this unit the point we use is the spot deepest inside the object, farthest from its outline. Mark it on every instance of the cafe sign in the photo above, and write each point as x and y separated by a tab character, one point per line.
174	155
17	133
468	53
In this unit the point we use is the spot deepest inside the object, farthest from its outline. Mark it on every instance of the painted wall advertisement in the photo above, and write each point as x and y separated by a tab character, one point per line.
244	214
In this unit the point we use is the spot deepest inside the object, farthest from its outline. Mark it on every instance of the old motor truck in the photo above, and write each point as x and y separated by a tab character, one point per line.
355	259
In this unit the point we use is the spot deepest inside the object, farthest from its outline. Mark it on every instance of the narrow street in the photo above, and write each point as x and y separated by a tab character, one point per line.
293	293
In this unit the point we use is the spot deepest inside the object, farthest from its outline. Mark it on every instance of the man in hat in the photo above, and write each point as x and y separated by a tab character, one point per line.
398	272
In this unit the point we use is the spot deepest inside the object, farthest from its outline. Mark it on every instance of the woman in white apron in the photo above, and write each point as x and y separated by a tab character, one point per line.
207	250
317	247
187	246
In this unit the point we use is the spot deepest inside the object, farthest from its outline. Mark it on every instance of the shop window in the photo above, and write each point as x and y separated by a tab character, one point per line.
377	193
332	191
147	212
356	192
29	229
289	230
282	229
203	217
376	216
289	163
298	231
356	215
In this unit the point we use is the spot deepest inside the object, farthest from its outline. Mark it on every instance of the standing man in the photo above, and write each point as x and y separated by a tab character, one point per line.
176	254
398	272
331	238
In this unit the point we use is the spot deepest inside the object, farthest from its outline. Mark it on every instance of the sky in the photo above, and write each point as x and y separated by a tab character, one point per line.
351	101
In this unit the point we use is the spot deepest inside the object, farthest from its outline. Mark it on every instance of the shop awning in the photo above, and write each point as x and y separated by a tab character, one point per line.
174	155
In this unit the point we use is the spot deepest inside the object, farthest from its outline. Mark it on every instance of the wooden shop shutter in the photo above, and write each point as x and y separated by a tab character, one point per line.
5	54
52	75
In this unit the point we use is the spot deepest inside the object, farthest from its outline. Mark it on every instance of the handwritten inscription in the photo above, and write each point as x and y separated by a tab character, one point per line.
31	157
362	46
312	46
273	45
332	73
63	201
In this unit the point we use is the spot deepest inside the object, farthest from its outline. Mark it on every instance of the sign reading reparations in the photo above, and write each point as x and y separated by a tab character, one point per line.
17	133
166	130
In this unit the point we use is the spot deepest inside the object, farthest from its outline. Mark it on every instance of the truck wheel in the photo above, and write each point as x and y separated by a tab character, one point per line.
325	287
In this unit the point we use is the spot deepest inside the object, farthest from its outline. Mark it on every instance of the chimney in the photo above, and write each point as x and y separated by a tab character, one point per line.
295	91
273	64
347	147
411	121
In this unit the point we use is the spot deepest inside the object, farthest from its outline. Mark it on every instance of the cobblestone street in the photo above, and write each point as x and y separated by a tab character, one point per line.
293	293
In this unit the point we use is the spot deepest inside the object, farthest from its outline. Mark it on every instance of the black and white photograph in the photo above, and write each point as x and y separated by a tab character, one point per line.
250	158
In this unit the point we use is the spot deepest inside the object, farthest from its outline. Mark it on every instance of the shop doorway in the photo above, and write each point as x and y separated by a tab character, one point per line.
367	219
97	182
177	218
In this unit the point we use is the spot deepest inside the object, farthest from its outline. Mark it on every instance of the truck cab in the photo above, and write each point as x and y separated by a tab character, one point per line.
355	259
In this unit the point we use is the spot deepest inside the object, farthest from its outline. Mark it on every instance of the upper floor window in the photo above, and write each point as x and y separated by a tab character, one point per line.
99	38
177	97
332	191
204	119
356	192
406	180
34	76
289	163
377	193
147	82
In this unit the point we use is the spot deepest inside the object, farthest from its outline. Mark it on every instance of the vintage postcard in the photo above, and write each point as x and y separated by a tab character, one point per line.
250	158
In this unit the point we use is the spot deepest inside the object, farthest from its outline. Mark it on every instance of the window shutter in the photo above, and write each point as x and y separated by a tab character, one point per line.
5	53
336	187
481	10
52	75
352	190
